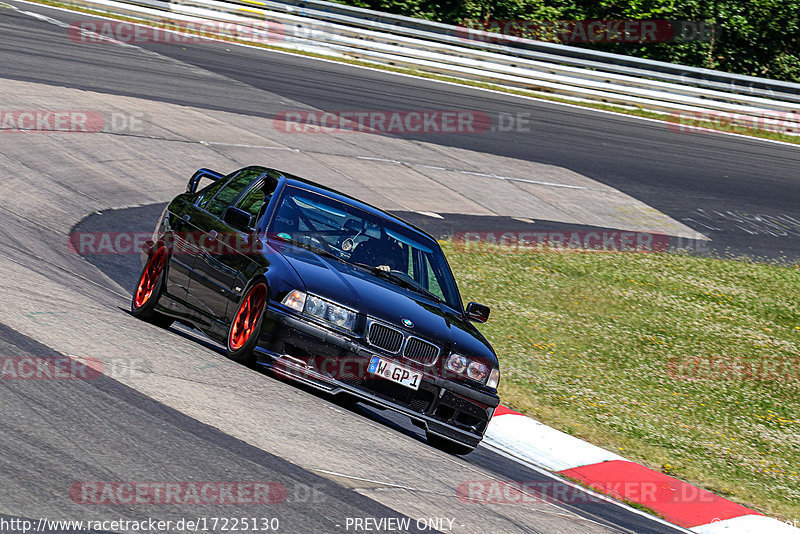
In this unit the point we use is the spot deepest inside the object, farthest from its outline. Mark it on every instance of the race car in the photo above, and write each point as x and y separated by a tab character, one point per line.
326	290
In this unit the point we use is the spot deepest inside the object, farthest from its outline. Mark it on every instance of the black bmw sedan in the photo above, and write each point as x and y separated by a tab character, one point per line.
326	290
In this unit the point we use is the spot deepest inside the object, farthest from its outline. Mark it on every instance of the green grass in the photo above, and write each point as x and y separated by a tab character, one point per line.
533	92
597	345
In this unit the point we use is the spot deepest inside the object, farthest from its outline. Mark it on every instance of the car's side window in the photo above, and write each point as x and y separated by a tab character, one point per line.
256	200
253	201
232	189
207	193
410	264
433	281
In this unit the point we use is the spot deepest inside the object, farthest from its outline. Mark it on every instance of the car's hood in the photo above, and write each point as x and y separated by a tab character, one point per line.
382	299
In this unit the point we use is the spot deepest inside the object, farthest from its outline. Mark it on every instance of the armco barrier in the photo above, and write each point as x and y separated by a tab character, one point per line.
531	49
456	57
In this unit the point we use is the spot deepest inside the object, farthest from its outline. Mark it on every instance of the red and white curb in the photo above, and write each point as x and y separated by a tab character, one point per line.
606	472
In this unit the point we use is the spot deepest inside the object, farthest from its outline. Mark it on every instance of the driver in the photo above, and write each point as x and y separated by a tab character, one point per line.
384	253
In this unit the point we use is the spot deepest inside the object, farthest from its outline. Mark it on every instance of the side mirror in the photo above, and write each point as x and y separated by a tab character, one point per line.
237	218
478	312
191	187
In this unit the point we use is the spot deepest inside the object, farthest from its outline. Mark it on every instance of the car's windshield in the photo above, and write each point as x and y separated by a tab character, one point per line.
353	235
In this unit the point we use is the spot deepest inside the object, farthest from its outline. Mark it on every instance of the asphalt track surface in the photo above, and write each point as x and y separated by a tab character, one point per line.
192	415
81	430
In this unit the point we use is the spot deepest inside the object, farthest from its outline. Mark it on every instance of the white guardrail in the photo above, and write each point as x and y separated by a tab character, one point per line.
446	50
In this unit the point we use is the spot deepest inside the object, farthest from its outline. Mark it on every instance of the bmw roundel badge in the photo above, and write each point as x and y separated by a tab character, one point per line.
408	323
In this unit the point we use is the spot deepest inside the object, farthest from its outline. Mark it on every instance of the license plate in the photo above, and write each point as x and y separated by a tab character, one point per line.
396	373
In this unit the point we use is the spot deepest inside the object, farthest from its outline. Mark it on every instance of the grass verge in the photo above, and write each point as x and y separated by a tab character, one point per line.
689	365
698	124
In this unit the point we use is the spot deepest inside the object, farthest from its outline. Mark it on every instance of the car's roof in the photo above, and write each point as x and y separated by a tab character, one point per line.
338	195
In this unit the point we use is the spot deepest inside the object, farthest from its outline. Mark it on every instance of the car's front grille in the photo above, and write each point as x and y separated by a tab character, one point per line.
421	351
384	337
392	340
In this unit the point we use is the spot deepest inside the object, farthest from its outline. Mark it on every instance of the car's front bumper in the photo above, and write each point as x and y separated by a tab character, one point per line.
325	359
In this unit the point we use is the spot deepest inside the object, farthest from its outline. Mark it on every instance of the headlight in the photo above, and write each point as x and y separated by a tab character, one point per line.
341	317
316	306
457	363
295	300
330	312
494	379
474	370
477	371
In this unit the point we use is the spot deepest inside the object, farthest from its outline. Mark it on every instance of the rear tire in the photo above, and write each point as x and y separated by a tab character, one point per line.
149	289
246	325
450	447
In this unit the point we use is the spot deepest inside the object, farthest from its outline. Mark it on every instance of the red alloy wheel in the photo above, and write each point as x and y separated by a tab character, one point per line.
247	317
150	277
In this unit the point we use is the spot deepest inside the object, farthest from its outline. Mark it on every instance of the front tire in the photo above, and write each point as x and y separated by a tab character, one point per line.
151	284
246	326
